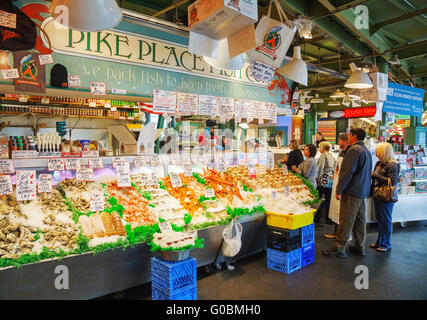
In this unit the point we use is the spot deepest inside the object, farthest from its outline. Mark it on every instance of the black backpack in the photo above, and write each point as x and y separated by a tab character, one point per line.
59	76
24	36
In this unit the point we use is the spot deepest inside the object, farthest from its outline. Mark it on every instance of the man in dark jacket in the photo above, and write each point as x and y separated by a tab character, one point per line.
352	189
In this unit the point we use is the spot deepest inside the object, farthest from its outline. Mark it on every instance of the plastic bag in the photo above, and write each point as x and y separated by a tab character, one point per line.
232	235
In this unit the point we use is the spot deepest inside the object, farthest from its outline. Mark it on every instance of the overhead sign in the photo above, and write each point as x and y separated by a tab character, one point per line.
353	113
404	100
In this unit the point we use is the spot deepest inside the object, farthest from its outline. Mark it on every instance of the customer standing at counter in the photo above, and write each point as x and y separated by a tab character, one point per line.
386	170
325	170
352	189
319	138
272	141
334	208
208	137
308	168
295	157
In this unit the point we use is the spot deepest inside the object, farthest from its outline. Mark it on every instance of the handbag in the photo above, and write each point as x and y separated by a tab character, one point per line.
386	192
273	38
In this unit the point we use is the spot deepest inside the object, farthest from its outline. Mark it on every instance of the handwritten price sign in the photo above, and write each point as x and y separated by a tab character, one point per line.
45	183
96	163
72	164
85	174
6	166
97	203
123	174
5	185
55	164
26	185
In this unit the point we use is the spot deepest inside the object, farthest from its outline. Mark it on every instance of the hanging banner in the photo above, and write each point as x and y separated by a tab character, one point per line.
404	100
32	77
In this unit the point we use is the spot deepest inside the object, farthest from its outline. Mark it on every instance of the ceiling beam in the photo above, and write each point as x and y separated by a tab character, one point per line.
404	17
404	6
349	5
171	7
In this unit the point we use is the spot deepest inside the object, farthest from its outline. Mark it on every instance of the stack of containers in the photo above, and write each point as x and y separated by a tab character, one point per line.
174	280
290	242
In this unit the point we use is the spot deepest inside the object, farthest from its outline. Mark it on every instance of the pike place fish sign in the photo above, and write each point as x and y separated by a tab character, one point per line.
137	50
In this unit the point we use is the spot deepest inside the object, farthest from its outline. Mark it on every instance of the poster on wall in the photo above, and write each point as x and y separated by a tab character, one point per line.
271	112
242	108
225	107
207	105
164	101
257	109
187	103
32	76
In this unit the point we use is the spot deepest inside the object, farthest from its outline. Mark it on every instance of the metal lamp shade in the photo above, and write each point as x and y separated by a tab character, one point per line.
338	94
86	15
296	69
224	62
358	79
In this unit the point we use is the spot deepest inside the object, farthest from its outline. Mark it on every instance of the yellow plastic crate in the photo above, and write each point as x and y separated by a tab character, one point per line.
290	221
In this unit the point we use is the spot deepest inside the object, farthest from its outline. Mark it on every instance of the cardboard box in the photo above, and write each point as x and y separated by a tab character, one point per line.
219	19
124	139
379	91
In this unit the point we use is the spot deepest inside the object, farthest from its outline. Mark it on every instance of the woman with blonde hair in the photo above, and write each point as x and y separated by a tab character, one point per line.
386	171
295	157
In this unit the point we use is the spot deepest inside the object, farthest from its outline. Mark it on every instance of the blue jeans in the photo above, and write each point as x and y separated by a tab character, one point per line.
383	212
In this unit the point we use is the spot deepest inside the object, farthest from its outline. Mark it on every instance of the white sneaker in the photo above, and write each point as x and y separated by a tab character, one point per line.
230	267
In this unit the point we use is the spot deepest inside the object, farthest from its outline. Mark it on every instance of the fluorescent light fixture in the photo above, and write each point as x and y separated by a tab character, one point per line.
86	15
358	79
296	69
338	94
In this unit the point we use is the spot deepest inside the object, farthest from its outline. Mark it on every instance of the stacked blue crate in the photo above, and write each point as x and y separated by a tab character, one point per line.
286	262
307	234
307	245
174	280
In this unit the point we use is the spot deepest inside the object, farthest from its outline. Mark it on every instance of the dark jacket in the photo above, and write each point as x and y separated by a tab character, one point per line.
385	171
294	159
355	173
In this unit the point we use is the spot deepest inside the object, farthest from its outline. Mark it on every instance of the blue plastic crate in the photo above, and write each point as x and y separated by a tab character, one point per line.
307	234
307	254
286	262
174	276
185	294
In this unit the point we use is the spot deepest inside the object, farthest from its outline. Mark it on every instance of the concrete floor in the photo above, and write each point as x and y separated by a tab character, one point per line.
400	274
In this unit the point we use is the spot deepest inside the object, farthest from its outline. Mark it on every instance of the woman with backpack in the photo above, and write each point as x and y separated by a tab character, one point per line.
325	170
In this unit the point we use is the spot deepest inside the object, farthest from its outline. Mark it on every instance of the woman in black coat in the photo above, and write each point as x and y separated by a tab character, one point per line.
387	168
295	157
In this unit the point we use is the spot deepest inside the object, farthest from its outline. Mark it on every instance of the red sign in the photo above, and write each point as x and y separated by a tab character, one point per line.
353	113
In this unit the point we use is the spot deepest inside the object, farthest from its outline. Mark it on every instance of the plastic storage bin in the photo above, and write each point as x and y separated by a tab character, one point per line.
290	221
307	254
307	234
286	262
283	239
185	294
171	277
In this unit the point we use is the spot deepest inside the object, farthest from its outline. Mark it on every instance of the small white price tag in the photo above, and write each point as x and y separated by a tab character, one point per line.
123	174
23	99
165	226
90	154
97	203
5	185
44	184
220	166
10	73
118	91
155	160
72	163
74	81
209	193
92	104
154	179
139	161
7	19
188	171
45	100
96	163
252	171
6	166
45	59
84	174
175	180
55	164
146	180
107	105
284	170
113	109
118	160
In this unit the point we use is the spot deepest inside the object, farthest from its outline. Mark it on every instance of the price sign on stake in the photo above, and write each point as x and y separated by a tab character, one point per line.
209	193
145	180
165	226
139	161
55	164
6	166
155	160
221	166
123	174
5	185
97	203
25	185
154	179
45	183
175	180
72	164
84	174
96	163
188	171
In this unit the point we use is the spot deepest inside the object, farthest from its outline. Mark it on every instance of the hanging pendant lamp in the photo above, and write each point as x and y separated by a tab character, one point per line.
296	69
358	79
86	15
338	94
223	61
